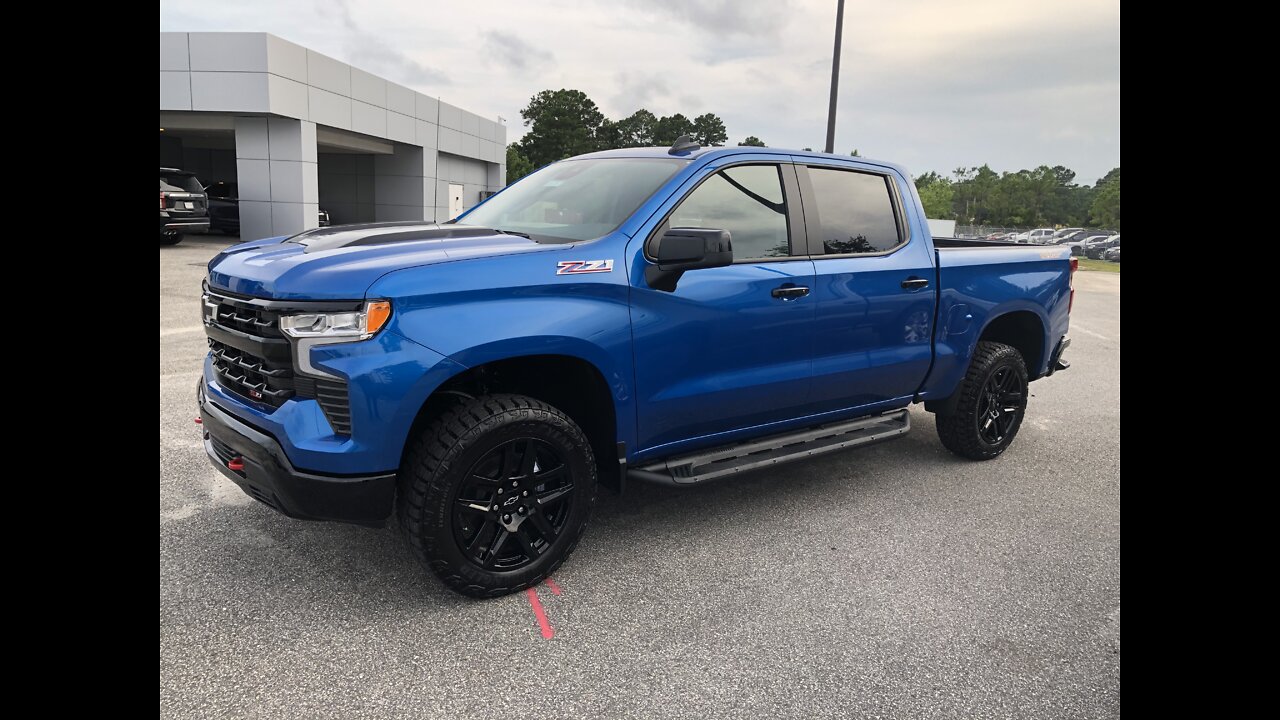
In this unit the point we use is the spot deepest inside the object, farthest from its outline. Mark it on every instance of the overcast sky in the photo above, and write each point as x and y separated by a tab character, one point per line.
933	84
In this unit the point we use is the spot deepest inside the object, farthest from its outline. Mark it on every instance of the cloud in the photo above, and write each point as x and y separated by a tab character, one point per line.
369	52
510	51
934	84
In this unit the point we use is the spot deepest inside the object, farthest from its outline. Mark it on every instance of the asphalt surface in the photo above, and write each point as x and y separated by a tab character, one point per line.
894	581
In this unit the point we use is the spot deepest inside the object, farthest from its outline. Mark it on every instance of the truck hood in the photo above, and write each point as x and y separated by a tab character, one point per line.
341	262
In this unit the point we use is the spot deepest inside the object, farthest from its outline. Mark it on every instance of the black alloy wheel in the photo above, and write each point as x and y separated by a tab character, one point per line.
512	505
1001	405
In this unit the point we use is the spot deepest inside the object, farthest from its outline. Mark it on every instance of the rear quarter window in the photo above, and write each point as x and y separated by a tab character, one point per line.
855	211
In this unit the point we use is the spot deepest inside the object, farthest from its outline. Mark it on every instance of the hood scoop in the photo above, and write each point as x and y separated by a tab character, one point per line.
386	233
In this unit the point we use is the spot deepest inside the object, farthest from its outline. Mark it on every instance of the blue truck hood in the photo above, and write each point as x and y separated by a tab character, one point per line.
341	262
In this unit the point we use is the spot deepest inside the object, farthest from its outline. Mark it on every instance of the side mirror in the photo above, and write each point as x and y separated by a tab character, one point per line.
678	250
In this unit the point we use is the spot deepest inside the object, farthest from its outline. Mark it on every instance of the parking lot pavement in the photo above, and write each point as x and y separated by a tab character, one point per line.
895	581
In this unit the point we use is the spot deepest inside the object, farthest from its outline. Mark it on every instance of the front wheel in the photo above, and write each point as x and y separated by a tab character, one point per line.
170	238
992	402
496	493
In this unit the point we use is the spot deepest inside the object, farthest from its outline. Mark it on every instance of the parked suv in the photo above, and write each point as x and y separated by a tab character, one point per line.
224	208
184	208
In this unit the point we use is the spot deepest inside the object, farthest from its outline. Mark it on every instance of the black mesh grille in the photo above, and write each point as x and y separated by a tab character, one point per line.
253	359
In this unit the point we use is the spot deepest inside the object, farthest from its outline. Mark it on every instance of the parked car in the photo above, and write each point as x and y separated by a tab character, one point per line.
1095	249
1078	247
183	206
646	314
1039	236
224	208
1112	255
1073	236
1060	236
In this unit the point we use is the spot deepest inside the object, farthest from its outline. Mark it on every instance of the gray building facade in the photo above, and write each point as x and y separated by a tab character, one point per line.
298	130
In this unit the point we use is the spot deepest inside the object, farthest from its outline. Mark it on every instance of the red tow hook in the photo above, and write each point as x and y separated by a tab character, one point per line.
199	421
236	463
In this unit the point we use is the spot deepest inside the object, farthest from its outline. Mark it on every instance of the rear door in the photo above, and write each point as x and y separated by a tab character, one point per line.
874	288
731	347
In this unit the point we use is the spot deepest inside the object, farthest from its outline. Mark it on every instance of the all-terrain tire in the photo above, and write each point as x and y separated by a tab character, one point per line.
445	456
966	429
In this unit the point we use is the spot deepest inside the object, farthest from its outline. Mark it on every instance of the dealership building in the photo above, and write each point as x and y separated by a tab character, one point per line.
299	131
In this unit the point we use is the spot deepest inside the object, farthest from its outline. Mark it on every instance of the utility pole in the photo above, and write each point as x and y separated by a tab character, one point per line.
835	79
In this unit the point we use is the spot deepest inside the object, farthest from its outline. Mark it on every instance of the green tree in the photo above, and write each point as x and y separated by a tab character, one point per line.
517	165
636	130
708	130
937	195
854	153
752	141
561	123
1105	209
669	129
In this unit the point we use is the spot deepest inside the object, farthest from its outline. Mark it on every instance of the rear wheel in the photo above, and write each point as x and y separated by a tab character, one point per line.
496	493
992	402
170	238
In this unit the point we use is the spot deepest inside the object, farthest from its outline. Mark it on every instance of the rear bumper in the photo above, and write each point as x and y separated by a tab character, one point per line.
184	225
256	462
1056	362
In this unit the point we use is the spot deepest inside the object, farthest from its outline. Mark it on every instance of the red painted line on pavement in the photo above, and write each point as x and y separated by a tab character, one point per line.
552	584
543	623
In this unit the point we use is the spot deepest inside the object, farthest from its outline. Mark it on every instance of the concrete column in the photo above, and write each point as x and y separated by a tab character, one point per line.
277	172
404	184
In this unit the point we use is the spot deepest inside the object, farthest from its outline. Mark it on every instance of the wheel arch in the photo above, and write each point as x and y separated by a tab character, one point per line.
1023	330
570	383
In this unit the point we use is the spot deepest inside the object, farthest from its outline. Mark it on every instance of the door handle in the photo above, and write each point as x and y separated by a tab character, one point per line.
915	283
790	292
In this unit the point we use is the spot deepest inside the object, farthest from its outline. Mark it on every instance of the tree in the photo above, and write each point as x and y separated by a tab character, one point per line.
936	194
636	130
752	141
1105	209
517	165
708	130
561	123
669	129
855	153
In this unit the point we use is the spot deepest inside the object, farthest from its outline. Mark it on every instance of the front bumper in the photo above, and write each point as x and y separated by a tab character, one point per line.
256	462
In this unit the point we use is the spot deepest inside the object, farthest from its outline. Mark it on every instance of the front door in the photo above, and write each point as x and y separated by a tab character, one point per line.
731	347
875	290
455	201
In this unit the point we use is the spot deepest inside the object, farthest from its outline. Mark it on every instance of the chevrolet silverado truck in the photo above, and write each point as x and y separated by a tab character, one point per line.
673	316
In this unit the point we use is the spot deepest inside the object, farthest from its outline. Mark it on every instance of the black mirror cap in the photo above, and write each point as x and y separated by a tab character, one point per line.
678	246
678	250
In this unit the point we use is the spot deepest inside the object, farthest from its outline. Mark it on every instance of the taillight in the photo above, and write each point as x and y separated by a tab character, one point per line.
163	200
1075	265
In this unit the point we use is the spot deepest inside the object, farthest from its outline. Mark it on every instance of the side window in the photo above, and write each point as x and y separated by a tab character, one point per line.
747	201
855	211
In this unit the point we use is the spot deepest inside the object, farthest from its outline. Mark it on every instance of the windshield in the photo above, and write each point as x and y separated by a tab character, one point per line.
576	199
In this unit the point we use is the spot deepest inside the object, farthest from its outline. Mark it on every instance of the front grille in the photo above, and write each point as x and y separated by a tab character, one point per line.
253	359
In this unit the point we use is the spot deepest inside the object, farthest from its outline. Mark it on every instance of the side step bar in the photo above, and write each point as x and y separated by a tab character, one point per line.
720	462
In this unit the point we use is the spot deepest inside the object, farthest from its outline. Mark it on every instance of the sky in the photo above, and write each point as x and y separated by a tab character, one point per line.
932	84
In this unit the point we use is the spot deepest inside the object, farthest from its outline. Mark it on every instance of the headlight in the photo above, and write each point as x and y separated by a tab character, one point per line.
339	326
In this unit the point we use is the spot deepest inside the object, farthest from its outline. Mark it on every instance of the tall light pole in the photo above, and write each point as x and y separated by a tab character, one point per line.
835	79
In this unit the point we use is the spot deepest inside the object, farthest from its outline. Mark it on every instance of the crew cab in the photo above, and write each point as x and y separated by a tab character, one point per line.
674	316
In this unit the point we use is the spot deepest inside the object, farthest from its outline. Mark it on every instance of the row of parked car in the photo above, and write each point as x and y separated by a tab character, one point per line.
1096	243
187	207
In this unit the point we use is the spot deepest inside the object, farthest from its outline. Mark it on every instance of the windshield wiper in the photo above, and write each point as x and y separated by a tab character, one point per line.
513	232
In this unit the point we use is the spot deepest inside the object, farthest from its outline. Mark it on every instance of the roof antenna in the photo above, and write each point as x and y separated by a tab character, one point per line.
684	144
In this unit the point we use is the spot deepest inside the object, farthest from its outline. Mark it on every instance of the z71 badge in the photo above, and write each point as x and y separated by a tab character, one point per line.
581	267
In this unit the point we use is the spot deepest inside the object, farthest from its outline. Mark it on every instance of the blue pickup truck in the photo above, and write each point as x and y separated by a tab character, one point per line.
663	315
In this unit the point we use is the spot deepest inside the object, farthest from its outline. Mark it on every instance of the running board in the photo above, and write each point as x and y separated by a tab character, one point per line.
729	460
